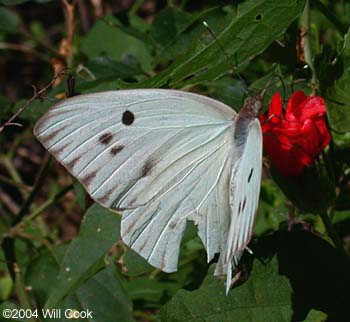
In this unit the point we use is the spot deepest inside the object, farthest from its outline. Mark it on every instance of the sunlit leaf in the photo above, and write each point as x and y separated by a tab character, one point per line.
251	28
286	280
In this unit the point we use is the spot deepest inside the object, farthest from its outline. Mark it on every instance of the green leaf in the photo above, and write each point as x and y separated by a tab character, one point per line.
8	306
106	40
264	297
227	90
135	264
151	290
169	23
338	95
13	2
99	230
103	66
341	216
9	21
42	272
80	193
103	293
251	29
185	32
272	208
6	285
316	316
286	281
34	110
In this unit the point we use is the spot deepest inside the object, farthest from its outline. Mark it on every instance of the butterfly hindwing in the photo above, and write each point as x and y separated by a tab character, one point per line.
200	194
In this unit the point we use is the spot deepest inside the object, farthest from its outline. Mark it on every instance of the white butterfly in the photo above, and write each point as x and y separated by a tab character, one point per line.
164	157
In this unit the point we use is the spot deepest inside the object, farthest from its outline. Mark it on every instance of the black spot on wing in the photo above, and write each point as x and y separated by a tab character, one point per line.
173	224
86	181
70	165
105	198
244	203
116	149
105	138
147	167
241	206
128	118
250	174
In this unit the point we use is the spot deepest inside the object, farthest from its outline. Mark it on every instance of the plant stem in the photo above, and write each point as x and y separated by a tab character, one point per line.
52	200
21	291
135	7
305	21
16	184
8	243
7	163
338	243
38	184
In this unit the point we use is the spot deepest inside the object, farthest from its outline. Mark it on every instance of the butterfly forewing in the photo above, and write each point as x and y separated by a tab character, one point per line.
244	192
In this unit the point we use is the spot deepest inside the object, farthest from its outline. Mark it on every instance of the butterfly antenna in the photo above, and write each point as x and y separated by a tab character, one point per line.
266	87
271	83
283	86
234	68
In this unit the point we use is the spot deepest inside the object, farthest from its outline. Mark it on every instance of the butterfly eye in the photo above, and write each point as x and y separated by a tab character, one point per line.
128	118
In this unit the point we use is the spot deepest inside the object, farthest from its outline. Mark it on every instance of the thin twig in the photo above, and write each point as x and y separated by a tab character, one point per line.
84	15
40	42
52	200
98	8
24	49
8	243
36	95
13	183
38	184
6	200
42	240
21	291
135	7
66	46
11	169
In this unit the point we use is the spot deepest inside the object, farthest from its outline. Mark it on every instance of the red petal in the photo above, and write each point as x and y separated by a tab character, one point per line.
288	159
295	141
294	101
323	133
275	108
312	107
311	139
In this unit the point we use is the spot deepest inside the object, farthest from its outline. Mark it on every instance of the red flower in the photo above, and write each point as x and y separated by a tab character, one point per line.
293	139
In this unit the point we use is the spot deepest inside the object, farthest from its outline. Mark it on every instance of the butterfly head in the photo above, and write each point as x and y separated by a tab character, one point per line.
252	104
